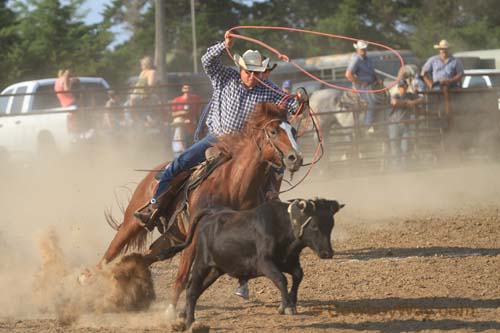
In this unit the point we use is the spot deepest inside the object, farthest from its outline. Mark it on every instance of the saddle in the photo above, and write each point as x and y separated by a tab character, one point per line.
183	184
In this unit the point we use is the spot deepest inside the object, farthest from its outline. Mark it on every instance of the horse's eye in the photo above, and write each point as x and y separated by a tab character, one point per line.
273	132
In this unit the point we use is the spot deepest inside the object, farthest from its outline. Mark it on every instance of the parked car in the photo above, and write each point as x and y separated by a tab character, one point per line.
32	120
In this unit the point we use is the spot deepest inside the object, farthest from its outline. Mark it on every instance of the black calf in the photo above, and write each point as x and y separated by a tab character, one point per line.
264	241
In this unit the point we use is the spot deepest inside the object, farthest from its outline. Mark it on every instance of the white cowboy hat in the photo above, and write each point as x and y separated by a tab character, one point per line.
360	44
180	121
443	44
251	61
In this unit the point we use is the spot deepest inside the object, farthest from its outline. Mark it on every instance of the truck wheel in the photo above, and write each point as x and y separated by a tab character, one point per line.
46	145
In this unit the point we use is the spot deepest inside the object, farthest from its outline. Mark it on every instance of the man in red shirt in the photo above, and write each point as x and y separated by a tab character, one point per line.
185	114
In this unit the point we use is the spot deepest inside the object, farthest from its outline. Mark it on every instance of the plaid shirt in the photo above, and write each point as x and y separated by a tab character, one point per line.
232	102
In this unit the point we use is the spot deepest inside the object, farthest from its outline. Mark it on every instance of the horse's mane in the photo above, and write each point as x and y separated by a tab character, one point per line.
262	113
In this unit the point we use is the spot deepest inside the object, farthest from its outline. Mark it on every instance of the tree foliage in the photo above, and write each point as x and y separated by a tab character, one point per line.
40	36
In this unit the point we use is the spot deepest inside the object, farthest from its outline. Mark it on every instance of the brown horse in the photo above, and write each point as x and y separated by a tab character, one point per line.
265	141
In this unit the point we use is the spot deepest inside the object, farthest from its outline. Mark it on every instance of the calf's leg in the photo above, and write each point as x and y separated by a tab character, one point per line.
297	275
270	270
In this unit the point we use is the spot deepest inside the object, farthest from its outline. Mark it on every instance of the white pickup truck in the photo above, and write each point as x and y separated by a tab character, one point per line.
32	120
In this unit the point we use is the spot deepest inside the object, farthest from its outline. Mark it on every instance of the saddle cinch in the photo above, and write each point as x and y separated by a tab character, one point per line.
182	185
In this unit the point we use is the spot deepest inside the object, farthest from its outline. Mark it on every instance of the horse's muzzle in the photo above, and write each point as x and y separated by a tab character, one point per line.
292	160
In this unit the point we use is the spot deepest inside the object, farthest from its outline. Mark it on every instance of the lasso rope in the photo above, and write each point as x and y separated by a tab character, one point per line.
287	59
311	114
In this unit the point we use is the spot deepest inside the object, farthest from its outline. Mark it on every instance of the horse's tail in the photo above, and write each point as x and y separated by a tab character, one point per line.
172	251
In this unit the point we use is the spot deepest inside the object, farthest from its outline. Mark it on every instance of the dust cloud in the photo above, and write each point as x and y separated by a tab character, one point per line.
53	224
53	227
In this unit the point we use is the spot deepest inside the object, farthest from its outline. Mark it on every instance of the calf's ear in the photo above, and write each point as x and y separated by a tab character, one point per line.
336	206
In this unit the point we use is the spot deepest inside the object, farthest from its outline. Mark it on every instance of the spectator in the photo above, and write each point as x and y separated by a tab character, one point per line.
286	86
111	116
143	95
403	103
362	75
443	70
146	81
185	113
63	86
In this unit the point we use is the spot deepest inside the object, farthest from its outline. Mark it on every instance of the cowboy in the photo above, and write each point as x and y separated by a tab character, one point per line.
443	69
236	92
361	73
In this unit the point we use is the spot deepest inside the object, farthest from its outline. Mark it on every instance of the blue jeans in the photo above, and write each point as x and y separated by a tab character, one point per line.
193	156
372	104
398	136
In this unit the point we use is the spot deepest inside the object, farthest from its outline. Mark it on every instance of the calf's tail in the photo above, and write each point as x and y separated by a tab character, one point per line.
172	251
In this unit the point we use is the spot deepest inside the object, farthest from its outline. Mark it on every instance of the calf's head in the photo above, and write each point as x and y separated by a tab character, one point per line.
312	222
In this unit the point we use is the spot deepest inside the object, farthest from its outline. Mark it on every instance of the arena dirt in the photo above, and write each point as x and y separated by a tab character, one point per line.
414	252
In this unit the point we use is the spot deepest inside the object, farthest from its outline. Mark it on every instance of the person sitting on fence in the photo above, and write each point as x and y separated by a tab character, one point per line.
403	107
443	70
143	96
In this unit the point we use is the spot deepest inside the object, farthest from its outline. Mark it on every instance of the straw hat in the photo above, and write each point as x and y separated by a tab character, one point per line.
360	44
443	44
251	61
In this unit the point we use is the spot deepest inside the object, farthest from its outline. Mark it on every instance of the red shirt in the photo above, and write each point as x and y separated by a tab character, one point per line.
193	110
65	98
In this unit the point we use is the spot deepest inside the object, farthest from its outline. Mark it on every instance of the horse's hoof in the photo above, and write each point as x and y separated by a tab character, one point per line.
170	313
179	326
181	314
291	311
199	328
281	309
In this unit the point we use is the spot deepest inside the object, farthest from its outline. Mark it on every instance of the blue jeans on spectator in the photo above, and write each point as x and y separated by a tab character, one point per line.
398	136
372	104
193	156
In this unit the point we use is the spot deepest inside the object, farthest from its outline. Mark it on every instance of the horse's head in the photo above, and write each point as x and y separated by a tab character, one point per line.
274	136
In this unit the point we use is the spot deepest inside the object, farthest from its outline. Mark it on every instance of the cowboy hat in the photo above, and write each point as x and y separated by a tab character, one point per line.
443	44
360	44
402	83
251	61
180	121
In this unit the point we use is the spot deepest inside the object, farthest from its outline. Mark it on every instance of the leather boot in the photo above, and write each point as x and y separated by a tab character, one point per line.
147	213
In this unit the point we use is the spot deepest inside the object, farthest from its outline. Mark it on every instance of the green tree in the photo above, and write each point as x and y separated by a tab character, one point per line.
8	39
52	36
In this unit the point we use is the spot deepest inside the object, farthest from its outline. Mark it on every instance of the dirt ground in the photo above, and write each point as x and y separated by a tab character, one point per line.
413	252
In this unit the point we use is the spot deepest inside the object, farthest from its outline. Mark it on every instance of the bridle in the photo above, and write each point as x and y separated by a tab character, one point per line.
270	140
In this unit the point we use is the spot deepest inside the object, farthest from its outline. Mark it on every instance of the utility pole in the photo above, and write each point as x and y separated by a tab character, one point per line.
160	40
193	30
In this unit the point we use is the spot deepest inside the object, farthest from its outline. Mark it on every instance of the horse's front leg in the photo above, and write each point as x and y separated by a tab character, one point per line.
181	280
